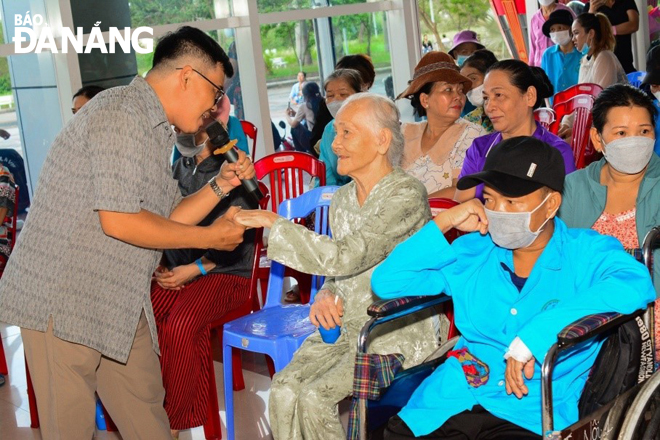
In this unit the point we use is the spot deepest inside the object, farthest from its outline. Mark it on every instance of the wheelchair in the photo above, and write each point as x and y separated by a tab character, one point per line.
633	415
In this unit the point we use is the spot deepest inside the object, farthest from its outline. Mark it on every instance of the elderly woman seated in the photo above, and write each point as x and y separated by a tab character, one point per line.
379	208
515	286
435	148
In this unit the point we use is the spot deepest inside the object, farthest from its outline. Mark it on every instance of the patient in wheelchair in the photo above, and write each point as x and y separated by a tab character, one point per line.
515	283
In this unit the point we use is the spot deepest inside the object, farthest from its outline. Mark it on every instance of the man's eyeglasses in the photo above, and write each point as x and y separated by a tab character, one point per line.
218	94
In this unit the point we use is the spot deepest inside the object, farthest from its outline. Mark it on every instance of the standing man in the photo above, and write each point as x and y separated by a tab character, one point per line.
296	96
78	283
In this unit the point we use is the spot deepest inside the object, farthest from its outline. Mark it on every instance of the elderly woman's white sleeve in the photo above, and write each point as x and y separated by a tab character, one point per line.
400	215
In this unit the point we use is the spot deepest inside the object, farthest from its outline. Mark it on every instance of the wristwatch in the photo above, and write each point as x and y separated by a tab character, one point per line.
216	189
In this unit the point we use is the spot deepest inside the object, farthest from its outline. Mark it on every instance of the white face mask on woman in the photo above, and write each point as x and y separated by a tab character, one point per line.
629	155
510	230
561	38
546	2
476	96
333	107
657	95
185	143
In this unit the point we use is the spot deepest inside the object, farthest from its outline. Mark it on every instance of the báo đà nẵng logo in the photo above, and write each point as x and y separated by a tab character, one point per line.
45	39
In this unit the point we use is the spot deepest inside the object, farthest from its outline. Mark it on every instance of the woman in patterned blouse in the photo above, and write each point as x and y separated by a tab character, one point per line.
435	148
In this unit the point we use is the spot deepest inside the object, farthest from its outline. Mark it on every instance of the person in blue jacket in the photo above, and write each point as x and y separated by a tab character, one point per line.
515	286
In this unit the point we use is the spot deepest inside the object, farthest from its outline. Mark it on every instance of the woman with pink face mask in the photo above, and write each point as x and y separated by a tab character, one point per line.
538	41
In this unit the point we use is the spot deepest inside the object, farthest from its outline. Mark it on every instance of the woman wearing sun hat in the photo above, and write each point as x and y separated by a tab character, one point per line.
435	148
465	44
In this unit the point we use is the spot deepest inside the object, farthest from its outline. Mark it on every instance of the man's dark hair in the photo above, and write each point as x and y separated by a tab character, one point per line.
620	95
188	41
88	92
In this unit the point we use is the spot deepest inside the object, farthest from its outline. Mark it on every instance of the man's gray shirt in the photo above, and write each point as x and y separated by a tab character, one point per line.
114	155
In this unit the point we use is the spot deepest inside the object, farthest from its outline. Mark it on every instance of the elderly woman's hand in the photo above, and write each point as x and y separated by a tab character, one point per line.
233	173
256	218
468	216
327	310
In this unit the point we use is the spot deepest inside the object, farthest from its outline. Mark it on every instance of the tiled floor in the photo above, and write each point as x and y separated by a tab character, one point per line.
251	404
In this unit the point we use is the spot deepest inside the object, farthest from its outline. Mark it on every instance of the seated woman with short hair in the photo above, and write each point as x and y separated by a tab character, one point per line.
341	84
379	208
620	194
435	148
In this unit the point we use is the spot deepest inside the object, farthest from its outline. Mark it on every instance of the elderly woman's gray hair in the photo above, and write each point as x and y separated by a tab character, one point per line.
384	115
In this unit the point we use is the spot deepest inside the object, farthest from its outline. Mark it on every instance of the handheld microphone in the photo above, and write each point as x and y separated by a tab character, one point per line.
219	138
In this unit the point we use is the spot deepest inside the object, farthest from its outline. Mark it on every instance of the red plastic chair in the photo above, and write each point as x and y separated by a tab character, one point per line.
590	89
250	131
581	105
3	360
212	424
285	172
545	116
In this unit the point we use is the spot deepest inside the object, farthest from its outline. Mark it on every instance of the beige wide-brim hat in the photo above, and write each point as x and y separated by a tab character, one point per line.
433	67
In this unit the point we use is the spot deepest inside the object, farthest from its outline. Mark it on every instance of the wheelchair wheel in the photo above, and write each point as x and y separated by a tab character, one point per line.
643	419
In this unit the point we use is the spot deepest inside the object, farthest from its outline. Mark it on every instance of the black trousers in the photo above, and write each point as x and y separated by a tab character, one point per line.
475	424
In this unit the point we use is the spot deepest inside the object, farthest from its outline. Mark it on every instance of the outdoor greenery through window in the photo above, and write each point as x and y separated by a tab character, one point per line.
442	19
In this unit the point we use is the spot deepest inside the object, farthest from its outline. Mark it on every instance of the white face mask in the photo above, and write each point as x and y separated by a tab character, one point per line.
629	155
185	143
476	96
657	95
333	107
561	38
546	2
510	230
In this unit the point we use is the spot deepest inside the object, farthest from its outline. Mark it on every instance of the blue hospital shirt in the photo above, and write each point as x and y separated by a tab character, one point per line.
562	69
579	273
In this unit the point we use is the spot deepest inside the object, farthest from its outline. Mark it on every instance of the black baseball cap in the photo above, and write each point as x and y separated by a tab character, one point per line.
652	66
559	16
519	166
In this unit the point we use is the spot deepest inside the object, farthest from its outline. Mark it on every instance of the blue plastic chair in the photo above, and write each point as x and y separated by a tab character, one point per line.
278	329
635	78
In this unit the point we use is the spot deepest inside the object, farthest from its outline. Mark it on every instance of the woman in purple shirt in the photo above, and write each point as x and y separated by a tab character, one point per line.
512	90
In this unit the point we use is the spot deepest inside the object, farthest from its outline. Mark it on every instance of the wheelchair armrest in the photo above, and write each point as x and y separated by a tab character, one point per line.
592	325
387	307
